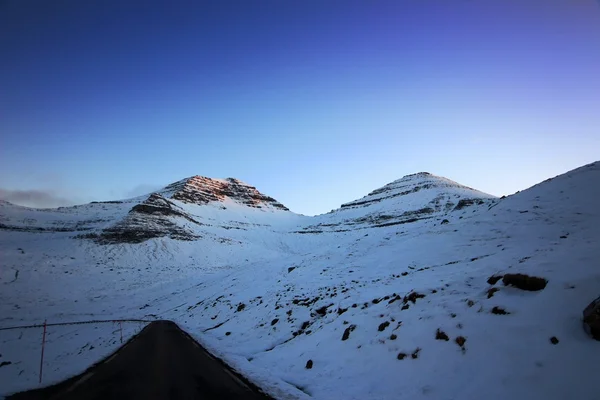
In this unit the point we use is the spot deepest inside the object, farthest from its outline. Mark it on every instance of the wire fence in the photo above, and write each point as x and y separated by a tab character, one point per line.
45	325
96	321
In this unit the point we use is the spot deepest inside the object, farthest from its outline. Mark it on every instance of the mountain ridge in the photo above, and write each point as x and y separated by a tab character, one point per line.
403	287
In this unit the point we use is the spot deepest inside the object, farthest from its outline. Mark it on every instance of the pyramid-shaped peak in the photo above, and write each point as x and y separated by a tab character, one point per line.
202	190
424	182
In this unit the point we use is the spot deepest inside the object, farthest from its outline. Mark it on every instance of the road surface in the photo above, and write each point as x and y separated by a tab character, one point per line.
162	362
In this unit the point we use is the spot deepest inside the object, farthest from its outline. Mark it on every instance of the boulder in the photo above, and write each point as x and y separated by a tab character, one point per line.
524	282
591	319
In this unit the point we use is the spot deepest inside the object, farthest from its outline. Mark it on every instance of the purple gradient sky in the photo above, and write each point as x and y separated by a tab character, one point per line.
314	102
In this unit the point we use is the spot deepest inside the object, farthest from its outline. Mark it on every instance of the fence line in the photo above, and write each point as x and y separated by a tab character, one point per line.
46	324
97	321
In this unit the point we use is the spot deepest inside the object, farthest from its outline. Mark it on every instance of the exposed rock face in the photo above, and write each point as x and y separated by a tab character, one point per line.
147	220
158	205
160	216
202	190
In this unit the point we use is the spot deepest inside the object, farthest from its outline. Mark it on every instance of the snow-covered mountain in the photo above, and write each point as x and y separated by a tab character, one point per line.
388	296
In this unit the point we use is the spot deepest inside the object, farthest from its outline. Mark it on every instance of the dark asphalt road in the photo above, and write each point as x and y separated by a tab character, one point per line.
162	362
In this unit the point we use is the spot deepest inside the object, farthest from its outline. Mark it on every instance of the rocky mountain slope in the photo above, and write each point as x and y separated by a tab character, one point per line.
413	198
378	299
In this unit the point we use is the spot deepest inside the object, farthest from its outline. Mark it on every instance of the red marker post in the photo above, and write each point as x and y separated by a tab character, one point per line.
43	345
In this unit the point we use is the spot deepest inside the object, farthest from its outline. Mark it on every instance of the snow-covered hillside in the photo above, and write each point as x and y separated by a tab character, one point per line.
368	293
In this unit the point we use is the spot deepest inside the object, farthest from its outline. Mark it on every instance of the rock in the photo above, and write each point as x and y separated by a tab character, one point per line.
349	329
412	297
415	354
591	319
493	279
460	340
383	325
499	311
441	335
202	190
290	269
524	282
554	340
309	364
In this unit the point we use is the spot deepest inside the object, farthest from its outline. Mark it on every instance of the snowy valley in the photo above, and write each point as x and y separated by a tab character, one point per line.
387	297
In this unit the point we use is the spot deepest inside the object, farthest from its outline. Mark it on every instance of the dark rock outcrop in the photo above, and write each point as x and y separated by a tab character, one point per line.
202	190
148	220
524	282
591	319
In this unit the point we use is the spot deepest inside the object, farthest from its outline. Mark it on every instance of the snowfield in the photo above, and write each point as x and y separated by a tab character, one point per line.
384	298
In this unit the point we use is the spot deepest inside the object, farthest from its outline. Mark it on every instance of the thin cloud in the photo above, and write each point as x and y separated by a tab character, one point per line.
35	198
143	189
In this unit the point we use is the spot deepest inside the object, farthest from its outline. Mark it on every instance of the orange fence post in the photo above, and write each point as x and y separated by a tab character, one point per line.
43	345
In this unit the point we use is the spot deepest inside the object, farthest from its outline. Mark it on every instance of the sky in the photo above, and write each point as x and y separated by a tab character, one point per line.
316	103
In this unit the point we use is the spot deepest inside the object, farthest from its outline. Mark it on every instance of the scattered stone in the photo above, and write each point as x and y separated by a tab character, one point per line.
460	340
404	273
276	320
227	333
491	291
554	340
340	310
322	311
393	336
383	325
349	329
401	356
445	222
412	297
470	303
405	307
415	353
309	364
524	282
3	363
441	335
499	311
290	269
240	307
591	319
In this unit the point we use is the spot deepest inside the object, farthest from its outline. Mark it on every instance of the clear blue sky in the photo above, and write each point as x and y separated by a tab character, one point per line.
313	102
